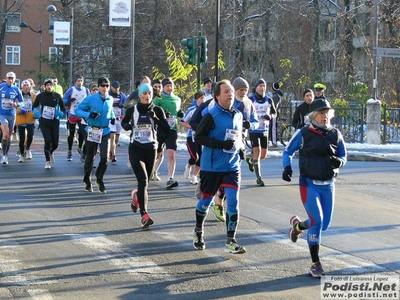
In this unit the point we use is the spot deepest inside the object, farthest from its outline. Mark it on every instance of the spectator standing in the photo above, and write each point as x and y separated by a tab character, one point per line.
277	96
300	116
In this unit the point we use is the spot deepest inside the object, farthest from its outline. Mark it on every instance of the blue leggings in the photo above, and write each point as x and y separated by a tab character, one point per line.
318	201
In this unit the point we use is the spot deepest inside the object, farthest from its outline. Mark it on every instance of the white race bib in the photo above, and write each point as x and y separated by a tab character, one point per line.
6	103
171	122
142	134
235	135
48	112
117	112
95	134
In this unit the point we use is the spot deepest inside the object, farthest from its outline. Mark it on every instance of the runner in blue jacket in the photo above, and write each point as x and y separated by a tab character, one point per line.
220	163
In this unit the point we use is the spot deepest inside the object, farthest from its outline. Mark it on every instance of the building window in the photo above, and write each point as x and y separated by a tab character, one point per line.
55	53
13	21
13	55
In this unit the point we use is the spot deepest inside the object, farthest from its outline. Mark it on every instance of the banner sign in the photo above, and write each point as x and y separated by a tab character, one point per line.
62	33
120	13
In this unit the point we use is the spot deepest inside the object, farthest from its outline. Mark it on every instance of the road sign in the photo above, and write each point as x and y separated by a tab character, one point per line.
388	52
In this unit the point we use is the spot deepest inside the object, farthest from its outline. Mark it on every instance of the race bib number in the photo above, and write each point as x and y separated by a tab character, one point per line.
117	112
142	134
27	104
48	112
171	122
235	135
6	103
95	134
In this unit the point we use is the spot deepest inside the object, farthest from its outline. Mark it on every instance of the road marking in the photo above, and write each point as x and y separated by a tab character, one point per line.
12	269
117	255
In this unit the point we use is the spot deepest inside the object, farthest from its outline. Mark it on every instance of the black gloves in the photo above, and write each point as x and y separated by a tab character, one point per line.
127	126
71	100
335	162
287	174
112	121
266	117
94	115
228	144
180	113
246	124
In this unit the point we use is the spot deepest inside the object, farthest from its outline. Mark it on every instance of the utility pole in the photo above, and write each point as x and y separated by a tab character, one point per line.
375	54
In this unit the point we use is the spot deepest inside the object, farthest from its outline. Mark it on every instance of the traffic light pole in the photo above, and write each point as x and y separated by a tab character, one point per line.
199	64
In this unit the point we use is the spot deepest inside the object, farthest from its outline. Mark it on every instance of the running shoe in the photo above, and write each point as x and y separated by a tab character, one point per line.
79	150
274	146
102	188
219	213
194	180
28	154
114	159
47	165
171	184
250	164
188	169
88	186
316	270
21	159
235	248
155	177
135	201
52	159
295	233
83	157
69	156
4	160
260	182
146	221
198	240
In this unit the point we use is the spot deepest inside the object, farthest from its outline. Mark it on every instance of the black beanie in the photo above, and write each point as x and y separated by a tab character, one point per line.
259	81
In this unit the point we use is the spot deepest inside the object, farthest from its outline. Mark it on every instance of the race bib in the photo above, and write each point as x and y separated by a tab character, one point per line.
142	134
27	104
117	112
235	135
95	134
6	103
48	112
171	121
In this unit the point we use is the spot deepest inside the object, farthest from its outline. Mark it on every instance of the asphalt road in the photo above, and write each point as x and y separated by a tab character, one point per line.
58	242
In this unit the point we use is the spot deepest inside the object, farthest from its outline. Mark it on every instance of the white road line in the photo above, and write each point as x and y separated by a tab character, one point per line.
12	270
117	255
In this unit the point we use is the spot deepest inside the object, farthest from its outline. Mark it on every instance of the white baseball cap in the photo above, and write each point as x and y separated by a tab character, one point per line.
11	74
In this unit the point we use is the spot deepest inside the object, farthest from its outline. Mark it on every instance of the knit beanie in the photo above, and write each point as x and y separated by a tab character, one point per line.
103	80
145	87
166	81
240	83
78	77
259	81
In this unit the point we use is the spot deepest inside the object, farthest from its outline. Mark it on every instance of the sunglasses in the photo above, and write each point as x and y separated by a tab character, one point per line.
104	85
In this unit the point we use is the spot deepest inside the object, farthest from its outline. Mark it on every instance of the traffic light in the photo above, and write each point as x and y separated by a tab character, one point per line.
203	49
190	51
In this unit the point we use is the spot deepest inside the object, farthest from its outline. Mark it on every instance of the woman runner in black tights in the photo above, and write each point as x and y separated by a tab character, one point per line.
144	120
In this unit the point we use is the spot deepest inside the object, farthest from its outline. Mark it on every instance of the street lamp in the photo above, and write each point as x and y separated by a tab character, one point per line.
52	8
24	25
